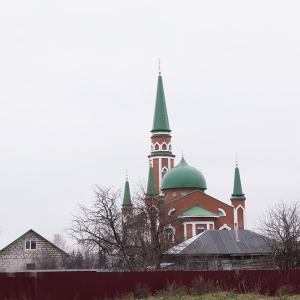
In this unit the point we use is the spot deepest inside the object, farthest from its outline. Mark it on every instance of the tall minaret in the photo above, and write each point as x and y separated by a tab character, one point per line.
161	147
238	200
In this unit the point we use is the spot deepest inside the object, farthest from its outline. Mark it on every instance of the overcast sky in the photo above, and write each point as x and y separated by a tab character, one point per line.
77	93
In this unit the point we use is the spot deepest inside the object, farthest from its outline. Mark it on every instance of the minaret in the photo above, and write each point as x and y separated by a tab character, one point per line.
238	200
127	207
151	194
161	147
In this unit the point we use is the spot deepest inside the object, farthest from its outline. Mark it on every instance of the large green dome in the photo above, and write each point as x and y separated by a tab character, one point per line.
183	176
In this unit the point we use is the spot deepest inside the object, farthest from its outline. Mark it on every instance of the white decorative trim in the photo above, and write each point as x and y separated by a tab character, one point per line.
235	218
224	226
170	211
159	172
160	147
157	145
161	132
164	143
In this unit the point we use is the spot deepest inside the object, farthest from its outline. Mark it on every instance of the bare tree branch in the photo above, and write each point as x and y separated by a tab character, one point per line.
281	227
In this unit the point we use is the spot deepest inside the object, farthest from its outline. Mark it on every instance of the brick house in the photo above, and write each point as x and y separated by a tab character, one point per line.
31	251
181	191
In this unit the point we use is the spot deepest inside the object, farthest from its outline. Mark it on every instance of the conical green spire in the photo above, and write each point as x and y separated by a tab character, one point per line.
151	187
160	120
237	188
127	197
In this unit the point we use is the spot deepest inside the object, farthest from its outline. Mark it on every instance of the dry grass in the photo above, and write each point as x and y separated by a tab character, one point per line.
227	295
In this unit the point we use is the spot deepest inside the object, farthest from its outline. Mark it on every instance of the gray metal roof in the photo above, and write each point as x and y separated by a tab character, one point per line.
223	242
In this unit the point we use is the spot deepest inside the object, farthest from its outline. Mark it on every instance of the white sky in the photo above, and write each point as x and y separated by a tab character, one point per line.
77	91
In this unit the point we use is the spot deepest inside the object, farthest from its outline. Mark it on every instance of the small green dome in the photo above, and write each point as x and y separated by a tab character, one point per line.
183	176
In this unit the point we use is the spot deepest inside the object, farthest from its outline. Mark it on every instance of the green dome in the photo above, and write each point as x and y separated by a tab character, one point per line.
183	176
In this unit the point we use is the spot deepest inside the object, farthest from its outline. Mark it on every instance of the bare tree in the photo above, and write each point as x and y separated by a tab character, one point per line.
281	227
60	241
132	242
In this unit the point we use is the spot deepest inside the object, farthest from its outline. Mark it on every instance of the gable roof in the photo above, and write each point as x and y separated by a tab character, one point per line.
34	232
198	211
192	192
223	242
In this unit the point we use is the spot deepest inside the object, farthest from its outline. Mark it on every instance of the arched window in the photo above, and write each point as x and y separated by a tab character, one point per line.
164	171
164	146
221	212
225	227
171	211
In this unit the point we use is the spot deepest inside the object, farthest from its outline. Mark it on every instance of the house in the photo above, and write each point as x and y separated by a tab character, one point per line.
31	251
221	250
180	191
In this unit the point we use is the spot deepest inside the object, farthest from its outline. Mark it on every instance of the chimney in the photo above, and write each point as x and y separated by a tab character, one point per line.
236	232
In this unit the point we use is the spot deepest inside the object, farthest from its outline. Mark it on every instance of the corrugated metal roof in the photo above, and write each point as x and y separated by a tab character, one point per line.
219	242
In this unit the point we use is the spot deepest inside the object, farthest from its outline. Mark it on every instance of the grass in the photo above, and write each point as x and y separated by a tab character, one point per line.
206	290
227	295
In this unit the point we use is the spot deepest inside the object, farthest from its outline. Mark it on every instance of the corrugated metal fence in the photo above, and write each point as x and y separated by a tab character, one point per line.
88	285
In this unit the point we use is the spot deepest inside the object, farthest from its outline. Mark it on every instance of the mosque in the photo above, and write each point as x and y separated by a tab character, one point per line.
181	190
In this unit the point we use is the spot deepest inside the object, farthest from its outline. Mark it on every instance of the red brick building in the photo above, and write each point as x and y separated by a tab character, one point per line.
181	189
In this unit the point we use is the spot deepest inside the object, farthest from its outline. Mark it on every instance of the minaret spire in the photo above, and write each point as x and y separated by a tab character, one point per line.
237	187
161	148
127	207
160	120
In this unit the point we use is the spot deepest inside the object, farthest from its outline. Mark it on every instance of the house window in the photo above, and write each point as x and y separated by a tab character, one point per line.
173	194
183	193
30	245
169	234
200	229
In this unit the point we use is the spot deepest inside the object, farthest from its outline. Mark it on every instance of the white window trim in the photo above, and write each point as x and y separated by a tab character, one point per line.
170	211
164	143
235	218
30	249
224	226
209	226
223	211
174	231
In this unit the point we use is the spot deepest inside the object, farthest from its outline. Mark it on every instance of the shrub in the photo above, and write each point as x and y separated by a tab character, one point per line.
284	290
173	290
142	291
200	286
